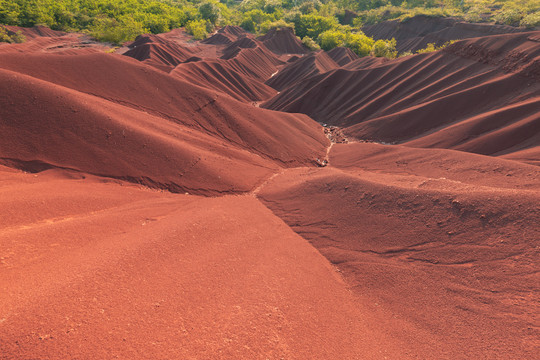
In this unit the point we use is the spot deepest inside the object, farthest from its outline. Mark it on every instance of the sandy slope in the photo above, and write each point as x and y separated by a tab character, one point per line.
112	116
416	251
459	229
101	270
415	33
478	95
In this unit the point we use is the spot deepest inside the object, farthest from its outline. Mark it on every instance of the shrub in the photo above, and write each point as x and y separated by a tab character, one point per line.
473	16
10	37
509	15
310	43
252	20
431	47
313	25
374	16
197	28
279	24
248	25
330	39
384	48
310	6
116	31
271	6
531	20
407	53
359	43
210	11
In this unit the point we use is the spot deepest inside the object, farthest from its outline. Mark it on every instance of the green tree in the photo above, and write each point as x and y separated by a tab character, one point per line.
116	31
310	43
531	20
210	11
384	48
359	43
197	28
313	25
330	39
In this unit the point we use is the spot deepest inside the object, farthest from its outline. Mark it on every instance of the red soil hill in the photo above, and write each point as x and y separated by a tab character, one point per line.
219	75
428	253
283	41
441	243
298	71
415	33
226	35
135	91
435	99
342	55
158	52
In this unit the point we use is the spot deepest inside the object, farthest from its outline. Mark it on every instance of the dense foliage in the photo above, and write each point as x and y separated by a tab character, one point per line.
319	23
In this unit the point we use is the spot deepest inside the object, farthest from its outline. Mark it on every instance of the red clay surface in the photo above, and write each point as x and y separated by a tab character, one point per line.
478	95
442	244
111	116
44	40
97	270
151	211
283	41
416	32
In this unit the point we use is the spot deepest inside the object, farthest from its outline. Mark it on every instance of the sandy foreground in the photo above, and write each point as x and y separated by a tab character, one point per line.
101	269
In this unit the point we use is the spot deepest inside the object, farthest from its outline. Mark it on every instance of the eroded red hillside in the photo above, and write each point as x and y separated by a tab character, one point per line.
150	208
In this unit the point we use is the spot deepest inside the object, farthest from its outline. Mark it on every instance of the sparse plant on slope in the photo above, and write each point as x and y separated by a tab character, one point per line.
5	36
431	47
310	43
384	48
199	28
531	20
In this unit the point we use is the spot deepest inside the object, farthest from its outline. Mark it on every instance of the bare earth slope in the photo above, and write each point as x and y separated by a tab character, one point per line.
298	71
283	41
415	33
158	52
124	95
240	70
151	210
218	75
91	135
452	226
44	40
99	270
479	95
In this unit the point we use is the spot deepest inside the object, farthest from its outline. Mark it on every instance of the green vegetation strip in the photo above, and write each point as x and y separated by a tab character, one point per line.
319	23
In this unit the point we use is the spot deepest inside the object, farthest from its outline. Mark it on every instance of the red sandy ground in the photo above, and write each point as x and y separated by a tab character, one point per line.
478	95
100	269
390	252
442	245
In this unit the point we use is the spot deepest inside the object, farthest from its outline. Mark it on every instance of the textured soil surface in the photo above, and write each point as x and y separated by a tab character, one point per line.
244	198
